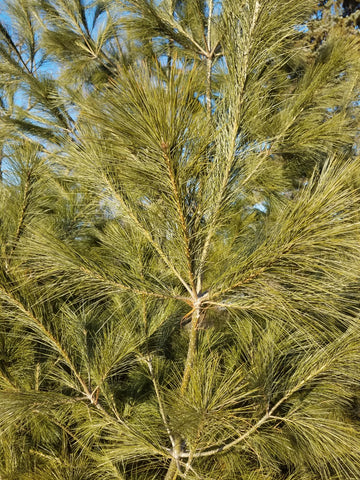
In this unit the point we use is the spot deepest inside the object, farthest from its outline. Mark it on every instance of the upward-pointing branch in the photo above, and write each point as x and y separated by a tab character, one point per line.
146	234
209	60
182	221
229	161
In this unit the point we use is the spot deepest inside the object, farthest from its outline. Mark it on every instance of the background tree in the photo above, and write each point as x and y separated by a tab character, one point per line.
180	243
342	17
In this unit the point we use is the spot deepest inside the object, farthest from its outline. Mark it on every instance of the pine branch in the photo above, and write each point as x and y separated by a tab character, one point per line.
160	402
209	61
229	161
123	287
7	380
13	47
146	234
50	338
182	221
265	418
24	208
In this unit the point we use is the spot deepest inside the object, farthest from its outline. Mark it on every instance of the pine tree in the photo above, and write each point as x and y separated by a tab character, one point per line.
342	16
180	243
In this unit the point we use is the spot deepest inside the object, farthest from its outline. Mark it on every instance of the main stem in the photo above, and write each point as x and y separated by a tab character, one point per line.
208	86
191	349
173	469
1	162
209	61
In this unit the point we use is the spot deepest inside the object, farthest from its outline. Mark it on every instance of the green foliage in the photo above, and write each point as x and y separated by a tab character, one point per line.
179	243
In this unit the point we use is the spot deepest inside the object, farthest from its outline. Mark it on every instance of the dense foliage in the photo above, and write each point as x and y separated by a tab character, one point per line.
180	255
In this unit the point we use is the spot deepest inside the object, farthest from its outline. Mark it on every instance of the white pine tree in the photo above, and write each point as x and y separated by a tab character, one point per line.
180	243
